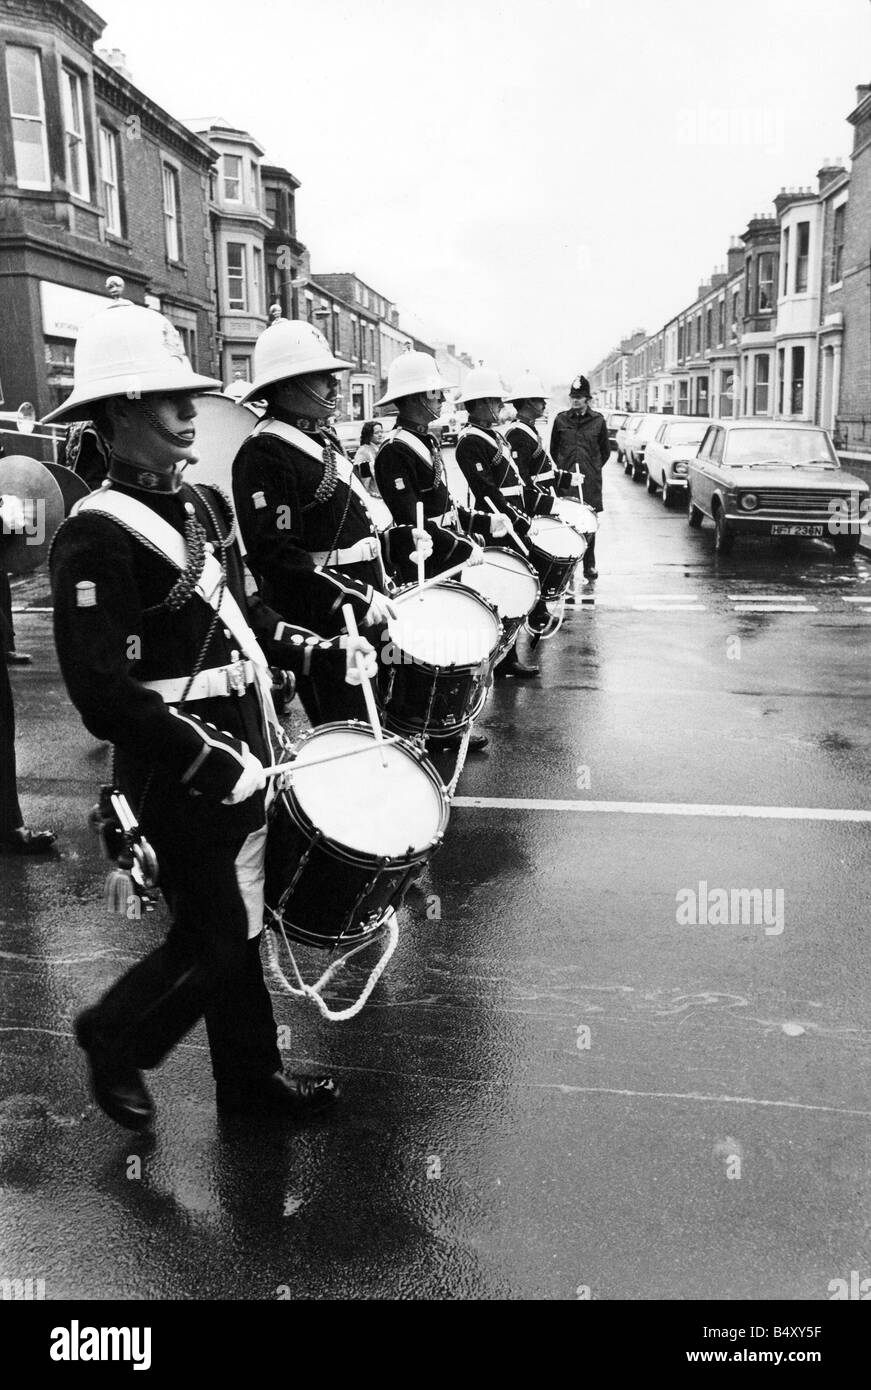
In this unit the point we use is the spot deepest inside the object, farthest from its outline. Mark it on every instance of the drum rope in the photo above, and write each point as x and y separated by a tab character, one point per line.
314	992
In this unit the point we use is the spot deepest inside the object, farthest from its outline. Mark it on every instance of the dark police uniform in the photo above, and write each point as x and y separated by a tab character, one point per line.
581	441
311	542
409	469
129	644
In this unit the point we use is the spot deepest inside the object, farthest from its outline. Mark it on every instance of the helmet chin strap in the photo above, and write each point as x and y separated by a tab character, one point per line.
161	430
327	403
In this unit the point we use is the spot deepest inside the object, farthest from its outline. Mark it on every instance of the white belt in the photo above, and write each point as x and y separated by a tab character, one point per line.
367	549
220	680
545	477
516	491
446	519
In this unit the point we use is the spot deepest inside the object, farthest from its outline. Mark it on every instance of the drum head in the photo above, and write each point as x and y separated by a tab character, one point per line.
25	545
578	515
356	803
222	427
555	538
505	580
448	625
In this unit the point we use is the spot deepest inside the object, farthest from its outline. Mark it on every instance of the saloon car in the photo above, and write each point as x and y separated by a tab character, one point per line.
647	428
615	419
667	457
774	478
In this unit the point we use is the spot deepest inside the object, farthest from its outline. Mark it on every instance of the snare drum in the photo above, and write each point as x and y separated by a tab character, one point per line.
555	550
434	671
577	515
348	837
507	581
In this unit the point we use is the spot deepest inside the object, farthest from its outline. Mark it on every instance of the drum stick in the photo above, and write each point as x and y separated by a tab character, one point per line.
420	560
293	766
351	625
511	531
430	583
578	483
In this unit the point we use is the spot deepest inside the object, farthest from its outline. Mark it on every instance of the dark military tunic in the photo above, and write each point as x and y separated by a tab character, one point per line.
486	463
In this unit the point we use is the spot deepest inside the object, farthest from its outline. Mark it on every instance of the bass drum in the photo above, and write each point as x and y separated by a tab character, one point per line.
349	836
507	581
72	487
222	427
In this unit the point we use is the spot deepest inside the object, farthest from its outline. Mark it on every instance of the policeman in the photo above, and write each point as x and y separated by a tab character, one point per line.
490	471
157	645
303	513
579	443
542	480
409	470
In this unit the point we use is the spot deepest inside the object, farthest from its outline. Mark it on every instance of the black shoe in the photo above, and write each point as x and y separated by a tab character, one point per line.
18	659
591	574
294	1096
27	841
477	743
515	668
116	1085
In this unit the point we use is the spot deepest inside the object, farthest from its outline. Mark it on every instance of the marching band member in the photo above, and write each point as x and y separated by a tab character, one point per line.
409	470
579	443
156	641
302	511
490	472
534	464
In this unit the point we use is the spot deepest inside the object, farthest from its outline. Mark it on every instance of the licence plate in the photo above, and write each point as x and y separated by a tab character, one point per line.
779	530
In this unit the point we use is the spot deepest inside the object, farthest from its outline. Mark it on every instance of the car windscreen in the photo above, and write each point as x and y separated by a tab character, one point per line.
771	445
685	434
650	428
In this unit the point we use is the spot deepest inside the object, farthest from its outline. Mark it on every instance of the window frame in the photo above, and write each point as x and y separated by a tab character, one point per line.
837	267
236	308
765	286
72	87
171	178
113	142
802	258
226	178
30	185
759	358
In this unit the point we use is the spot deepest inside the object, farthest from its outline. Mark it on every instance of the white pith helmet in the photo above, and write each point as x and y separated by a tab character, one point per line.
527	387
482	383
410	373
127	350
287	348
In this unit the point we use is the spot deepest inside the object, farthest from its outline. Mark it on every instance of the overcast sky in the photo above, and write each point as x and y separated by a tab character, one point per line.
530	179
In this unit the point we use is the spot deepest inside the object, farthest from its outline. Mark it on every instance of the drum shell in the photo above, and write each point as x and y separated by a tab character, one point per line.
555	572
511	623
341	895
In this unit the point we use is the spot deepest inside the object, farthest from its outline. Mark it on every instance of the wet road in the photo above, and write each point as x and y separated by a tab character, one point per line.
558	1085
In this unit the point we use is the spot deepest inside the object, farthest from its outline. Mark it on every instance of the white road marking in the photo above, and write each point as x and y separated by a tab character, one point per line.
855	598
774	608
709	1099
767	598
669	608
661	808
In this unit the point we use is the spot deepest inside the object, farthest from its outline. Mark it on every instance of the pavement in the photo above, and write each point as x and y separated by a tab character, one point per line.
562	1087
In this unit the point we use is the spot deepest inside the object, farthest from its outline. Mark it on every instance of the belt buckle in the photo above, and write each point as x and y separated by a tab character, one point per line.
236	682
373	548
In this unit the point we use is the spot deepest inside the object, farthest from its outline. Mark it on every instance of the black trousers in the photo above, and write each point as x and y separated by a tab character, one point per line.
10	811
326	696
7	632
207	966
590	554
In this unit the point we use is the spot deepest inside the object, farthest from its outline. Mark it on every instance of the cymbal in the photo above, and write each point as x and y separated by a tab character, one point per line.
25	549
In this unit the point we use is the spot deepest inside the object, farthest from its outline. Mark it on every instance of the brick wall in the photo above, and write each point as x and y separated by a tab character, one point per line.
854	414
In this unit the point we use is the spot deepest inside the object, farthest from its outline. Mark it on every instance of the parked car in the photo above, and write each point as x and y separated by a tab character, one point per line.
614	419
778	478
637	442
624	435
667	456
349	431
447	427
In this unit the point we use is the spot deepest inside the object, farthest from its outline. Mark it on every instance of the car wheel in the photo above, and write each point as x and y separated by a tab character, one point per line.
636	472
725	536
667	498
846	546
627	464
694	516
651	486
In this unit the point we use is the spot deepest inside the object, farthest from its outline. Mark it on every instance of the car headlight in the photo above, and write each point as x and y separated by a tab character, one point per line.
749	501
680	468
